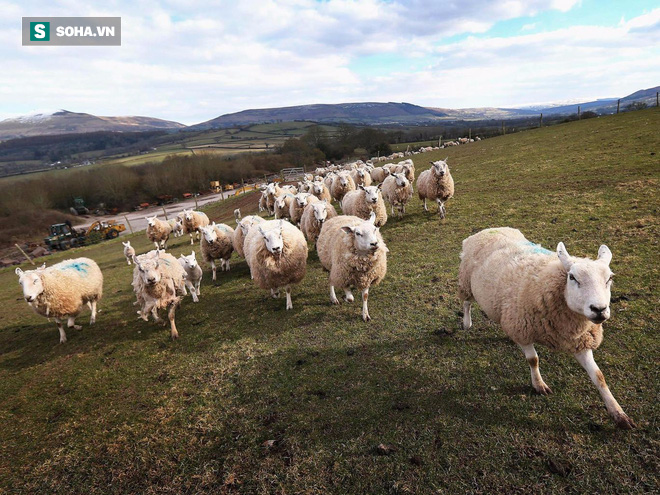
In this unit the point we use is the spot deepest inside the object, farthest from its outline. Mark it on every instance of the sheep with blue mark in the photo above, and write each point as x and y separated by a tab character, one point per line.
60	291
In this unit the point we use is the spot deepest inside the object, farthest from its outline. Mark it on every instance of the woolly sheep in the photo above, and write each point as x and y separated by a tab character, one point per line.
129	251
276	253
283	205
328	179
361	176
61	290
242	228
407	167
321	191
378	174
397	191
354	253
341	184
158	231
217	244
193	221
300	201
436	184
158	281
363	201
313	217
237	214
541	297
177	226
194	274
263	202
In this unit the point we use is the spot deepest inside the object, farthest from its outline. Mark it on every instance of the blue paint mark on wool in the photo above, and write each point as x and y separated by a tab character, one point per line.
537	248
80	267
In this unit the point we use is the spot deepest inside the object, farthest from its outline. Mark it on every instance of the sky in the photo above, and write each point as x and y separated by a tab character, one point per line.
190	61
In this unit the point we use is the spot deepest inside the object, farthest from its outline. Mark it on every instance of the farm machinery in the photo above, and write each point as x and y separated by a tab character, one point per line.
63	236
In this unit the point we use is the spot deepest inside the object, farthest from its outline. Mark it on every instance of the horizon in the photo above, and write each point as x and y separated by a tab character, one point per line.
187	66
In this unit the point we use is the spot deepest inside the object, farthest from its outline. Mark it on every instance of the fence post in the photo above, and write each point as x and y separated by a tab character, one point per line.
541	120
25	254
165	213
129	224
657	100
617	106
196	206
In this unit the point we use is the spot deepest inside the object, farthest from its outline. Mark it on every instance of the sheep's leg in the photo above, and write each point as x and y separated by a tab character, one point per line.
533	360
348	295
71	323
289	303
156	245
213	269
185	284
586	359
193	291
441	208
467	315
92	319
128	261
333	296
227	264
61	329
154	313
426	208
197	284
275	293
365	308
170	316
191	239
392	210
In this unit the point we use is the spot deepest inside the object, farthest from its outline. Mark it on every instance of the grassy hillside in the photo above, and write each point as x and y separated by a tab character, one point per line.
256	399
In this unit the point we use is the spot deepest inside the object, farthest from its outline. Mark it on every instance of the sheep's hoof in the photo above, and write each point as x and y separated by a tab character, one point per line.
349	299
542	389
366	317
77	327
624	422
334	301
175	336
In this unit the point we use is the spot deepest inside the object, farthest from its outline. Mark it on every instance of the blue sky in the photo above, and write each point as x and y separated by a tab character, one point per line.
193	60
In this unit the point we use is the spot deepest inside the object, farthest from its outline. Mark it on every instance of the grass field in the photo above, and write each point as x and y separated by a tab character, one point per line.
256	399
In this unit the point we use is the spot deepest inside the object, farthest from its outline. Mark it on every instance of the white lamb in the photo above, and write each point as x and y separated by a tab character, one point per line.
194	274
129	251
541	297
397	191
61	290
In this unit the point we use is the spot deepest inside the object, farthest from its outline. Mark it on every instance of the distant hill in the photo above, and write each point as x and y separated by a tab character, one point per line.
65	122
605	105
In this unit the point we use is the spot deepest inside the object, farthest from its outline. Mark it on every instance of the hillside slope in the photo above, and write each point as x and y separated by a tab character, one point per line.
256	399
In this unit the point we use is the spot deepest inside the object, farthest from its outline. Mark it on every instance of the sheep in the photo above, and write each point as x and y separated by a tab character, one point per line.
341	184
328	179
158	281
406	167
321	191
217	244
237	214
363	201
540	297
193	221
436	184
276	252
300	201
263	202
61	290
129	251
194	274
361	176
283	205
313	217
243	226
177	226
158	231
397	191
354	253
290	189
378	174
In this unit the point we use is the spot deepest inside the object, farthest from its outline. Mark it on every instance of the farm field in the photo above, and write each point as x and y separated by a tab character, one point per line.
256	399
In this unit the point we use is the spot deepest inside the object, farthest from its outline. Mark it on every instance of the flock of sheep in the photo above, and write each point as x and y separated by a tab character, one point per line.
537	296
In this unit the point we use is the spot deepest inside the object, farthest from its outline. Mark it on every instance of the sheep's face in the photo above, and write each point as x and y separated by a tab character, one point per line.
361	173
151	221
189	262
270	190
320	211
343	180
371	194
588	283
365	236
31	283
280	204
148	270
127	244
273	239
401	180
317	187
301	200
209	233
440	167
188	215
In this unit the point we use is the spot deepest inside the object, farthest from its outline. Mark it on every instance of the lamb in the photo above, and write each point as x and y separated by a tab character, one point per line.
276	253
263	202
243	226
321	191
341	184
193	221
158	231
354	253
363	201
237	214
177	226
397	191
129	251
300	201
378	174
158	281
217	244
361	176
283	205
539	297
313	217
61	290
194	274
436	184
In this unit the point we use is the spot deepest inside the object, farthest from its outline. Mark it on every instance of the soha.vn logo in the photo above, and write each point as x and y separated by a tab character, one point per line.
40	31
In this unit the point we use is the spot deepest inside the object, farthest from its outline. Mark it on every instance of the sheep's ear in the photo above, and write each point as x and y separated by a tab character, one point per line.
564	257
432	162
361	187
194	255
446	158
261	231
135	261
372	218
42	267
604	254
348	230
379	186
18	272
